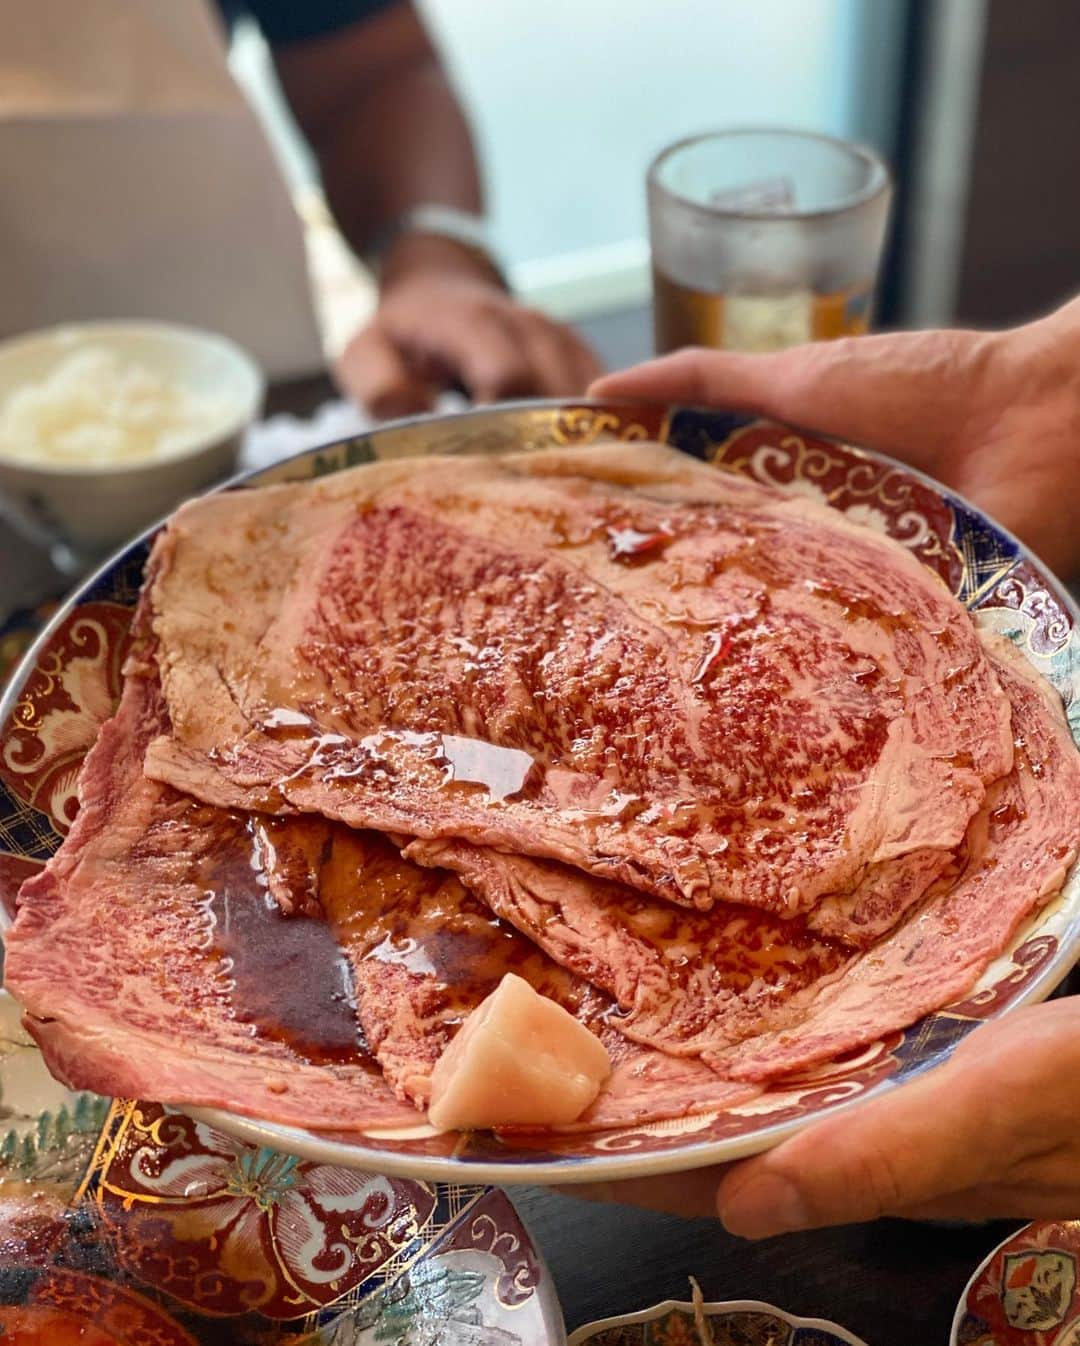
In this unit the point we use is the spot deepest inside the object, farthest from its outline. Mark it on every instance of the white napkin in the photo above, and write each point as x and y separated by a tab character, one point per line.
268	442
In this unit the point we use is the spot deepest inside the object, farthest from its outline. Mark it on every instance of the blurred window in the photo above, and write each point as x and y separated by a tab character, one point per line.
570	99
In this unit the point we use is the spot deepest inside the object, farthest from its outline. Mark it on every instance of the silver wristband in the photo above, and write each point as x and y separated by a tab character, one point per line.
438	221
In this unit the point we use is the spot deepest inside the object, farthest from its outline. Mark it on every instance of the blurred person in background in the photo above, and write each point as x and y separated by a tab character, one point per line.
139	184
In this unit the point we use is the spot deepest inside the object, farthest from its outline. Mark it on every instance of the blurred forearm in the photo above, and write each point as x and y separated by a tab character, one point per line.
383	122
389	135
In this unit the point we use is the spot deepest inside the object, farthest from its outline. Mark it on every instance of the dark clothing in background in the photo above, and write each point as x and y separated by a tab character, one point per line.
284	21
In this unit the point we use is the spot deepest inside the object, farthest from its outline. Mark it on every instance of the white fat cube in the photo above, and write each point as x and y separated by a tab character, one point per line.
518	1060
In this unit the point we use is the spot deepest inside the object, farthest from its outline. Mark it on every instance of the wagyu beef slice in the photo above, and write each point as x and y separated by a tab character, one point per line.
609	657
1020	848
703	983
197	956
142	958
688	981
425	953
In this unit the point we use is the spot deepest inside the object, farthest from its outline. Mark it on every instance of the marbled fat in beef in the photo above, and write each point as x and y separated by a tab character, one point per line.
687	982
289	969
756	997
149	963
1020	848
612	658
731	778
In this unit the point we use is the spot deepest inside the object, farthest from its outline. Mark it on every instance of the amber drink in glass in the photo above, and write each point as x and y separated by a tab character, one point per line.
764	239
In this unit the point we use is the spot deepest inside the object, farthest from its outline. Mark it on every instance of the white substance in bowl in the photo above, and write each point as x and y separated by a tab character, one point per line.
94	408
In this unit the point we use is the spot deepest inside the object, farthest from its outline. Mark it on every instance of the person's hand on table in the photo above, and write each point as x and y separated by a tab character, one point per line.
446	320
994	415
992	1133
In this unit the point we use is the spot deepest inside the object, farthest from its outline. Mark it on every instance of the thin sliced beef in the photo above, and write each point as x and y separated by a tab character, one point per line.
287	969
148	956
884	894
700	984
1021	846
688	982
425	952
608	657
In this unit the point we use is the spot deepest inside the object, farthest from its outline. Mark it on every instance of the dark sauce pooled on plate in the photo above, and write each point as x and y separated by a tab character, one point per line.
396	917
291	981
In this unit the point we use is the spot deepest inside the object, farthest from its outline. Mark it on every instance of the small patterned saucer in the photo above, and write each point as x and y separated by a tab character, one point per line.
1026	1293
742	1322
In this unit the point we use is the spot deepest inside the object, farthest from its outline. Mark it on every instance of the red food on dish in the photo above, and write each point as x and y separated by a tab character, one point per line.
732	780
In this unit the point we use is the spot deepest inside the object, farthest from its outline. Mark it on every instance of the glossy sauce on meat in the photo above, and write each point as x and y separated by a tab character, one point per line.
703	724
290	978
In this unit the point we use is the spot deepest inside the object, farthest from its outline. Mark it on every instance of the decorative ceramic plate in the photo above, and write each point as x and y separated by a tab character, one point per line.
742	1322
17	634
1026	1293
124	1225
71	679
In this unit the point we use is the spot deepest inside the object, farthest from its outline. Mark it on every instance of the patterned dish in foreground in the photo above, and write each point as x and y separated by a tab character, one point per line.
71	679
1026	1293
124	1225
744	1322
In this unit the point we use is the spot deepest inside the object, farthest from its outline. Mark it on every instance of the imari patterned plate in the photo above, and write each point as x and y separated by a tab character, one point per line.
744	1322
124	1225
70	680
1026	1293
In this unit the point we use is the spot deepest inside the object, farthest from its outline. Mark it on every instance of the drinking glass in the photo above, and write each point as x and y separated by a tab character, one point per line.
763	239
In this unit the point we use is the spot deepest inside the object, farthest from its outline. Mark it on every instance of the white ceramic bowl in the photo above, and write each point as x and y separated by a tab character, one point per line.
93	508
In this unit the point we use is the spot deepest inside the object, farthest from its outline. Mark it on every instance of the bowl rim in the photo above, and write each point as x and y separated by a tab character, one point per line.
237	419
711	1308
358	1153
